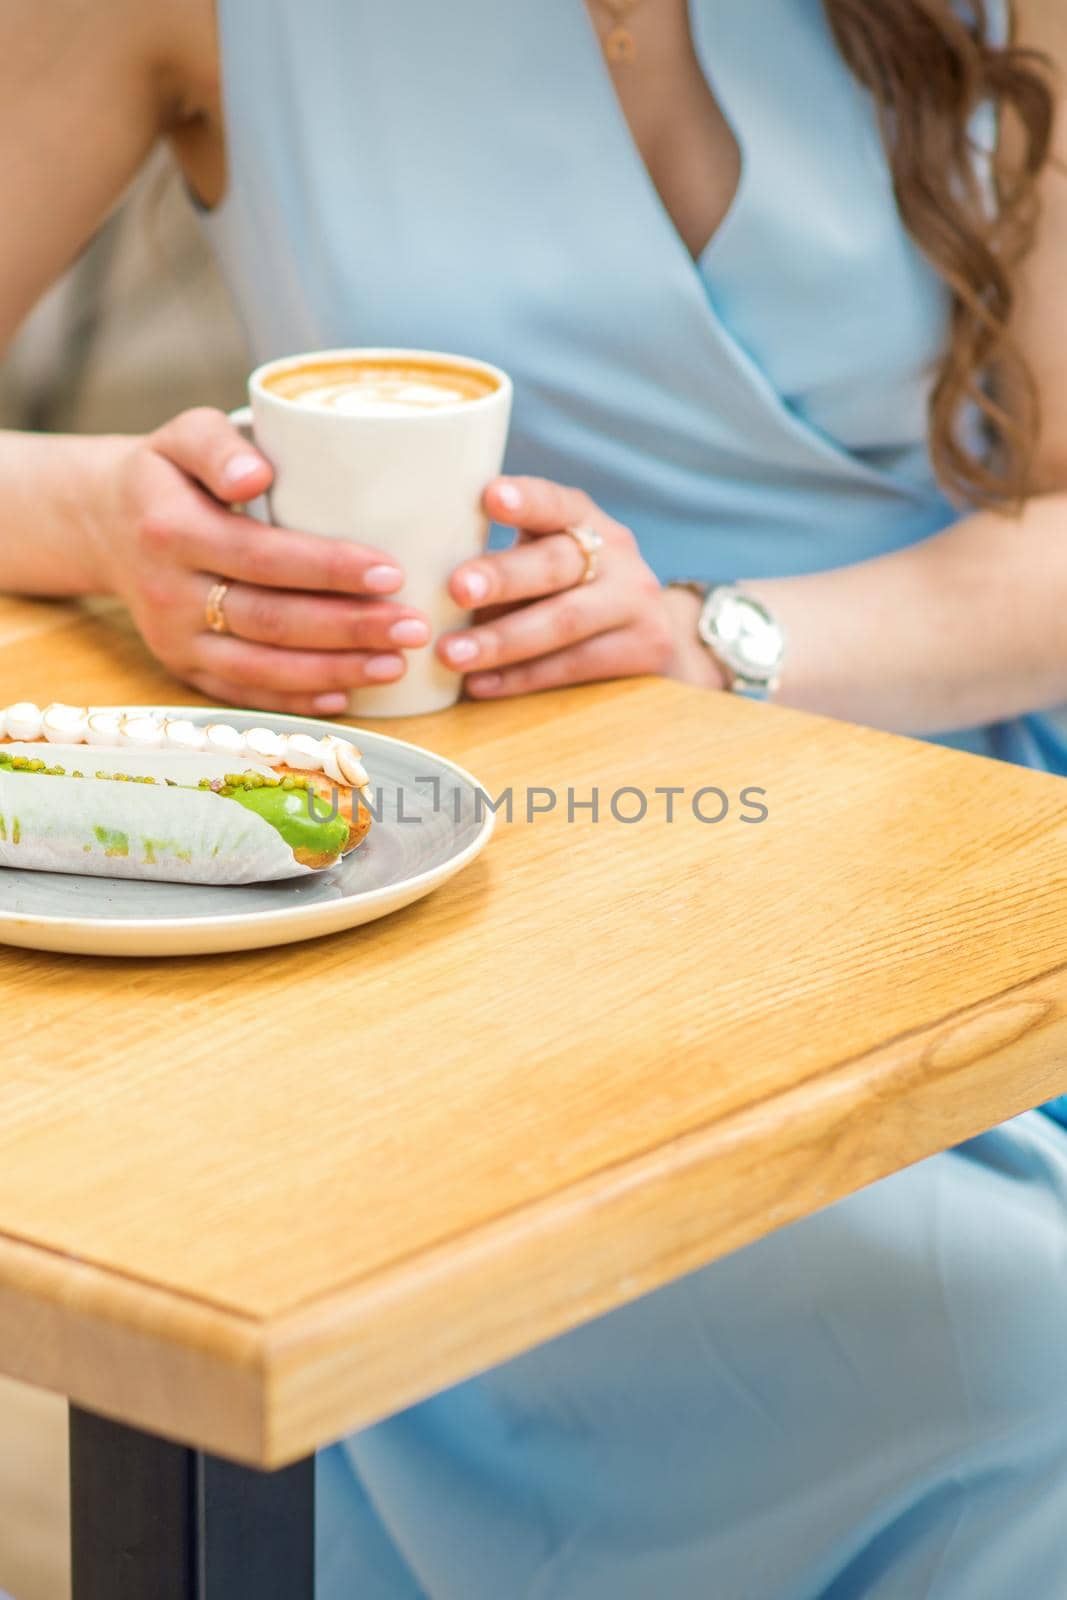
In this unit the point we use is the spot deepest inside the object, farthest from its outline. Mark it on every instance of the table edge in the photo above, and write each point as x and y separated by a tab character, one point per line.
267	1391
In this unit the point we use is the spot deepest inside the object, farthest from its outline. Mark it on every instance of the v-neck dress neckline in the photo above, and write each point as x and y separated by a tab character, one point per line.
732	369
630	151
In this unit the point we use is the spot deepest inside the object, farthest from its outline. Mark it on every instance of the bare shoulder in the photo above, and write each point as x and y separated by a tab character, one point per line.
1040	328
161	51
87	88
1041	25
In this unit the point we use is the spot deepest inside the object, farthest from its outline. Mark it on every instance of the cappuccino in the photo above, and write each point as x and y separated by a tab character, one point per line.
380	388
392	449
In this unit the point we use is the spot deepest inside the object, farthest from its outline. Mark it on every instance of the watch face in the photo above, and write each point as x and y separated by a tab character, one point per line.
744	633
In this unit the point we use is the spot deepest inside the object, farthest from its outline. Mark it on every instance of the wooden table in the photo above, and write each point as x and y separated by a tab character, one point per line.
249	1203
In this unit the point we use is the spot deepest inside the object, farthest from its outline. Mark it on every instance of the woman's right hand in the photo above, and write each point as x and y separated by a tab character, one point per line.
307	618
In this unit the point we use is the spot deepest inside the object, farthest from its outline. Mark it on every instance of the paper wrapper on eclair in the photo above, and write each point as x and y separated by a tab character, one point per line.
171	829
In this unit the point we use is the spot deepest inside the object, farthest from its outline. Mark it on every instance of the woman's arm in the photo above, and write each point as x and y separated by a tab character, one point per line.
86	88
51	501
968	627
84	94
971	625
83	98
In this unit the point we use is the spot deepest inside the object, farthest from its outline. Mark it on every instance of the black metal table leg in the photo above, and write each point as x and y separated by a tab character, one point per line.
155	1521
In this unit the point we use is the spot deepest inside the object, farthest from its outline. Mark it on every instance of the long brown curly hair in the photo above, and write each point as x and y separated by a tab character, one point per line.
929	64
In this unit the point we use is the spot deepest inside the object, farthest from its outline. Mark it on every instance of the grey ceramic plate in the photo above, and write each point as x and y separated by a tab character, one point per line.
431	824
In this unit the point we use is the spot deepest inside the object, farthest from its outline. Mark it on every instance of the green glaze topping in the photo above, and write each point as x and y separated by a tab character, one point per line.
288	811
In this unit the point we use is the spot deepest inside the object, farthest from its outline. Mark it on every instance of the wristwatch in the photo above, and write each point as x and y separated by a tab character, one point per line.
742	636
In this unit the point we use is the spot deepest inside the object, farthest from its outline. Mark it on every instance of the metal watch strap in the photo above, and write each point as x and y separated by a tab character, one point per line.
736	679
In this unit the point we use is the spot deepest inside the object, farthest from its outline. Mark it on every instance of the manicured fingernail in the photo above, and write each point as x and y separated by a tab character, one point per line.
460	650
475	586
381	668
509	495
240	467
330	703
409	631
382	580
484	682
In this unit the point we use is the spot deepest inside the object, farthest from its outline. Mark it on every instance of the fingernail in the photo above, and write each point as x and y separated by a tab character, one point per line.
381	668
330	703
382	580
509	495
484	682
460	650
409	631
241	467
475	586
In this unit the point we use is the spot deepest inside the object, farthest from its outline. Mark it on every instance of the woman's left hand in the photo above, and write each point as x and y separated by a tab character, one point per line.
539	626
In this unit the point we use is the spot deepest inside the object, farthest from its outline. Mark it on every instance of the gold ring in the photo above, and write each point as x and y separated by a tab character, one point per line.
590	543
215	607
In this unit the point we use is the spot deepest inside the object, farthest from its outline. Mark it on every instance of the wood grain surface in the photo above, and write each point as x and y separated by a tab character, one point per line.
256	1200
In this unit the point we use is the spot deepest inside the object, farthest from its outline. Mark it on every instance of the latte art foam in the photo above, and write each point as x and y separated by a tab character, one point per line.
380	388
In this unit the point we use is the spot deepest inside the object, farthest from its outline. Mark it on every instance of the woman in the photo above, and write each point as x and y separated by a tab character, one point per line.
760	276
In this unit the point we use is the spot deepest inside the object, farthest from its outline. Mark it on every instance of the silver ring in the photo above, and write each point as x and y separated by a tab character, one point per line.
590	543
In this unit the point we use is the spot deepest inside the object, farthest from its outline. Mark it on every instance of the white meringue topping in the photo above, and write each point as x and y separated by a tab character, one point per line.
302	751
102	727
179	734
265	743
144	732
24	720
62	724
340	762
118	729
223	740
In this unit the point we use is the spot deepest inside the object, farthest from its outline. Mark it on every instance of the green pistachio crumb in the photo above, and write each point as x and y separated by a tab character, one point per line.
115	842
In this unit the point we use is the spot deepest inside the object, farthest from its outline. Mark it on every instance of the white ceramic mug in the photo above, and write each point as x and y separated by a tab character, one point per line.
410	485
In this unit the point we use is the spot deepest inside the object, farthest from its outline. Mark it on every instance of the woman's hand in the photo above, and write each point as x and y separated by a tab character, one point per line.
306	616
539	626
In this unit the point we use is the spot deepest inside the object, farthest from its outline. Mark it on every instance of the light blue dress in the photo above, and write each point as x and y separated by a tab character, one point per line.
872	1402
